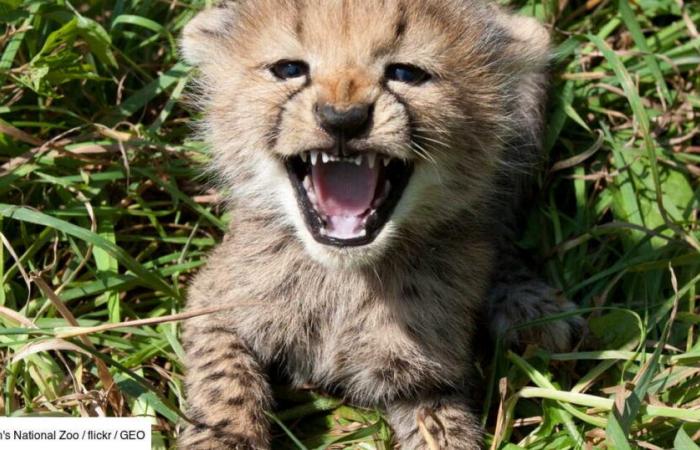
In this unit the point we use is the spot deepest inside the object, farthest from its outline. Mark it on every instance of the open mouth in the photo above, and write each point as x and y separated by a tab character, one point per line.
347	200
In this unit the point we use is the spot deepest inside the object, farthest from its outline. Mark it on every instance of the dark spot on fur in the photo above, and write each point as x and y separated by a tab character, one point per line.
400	27
216	330
265	326
233	356
206	351
237	366
255	416
340	360
236	401
245	380
214	394
398	364
300	18
222	424
207	365
217	376
433	429
237	347
195	415
278	246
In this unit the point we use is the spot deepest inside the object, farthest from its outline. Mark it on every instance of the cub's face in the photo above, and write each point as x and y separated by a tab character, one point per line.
361	122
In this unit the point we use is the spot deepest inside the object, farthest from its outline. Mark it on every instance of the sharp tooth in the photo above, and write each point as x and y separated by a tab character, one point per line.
384	195
363	233
325	157
358	160
386	161
372	158
314	157
307	183
304	157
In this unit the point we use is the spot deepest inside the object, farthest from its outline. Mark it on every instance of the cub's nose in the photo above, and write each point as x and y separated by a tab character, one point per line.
347	123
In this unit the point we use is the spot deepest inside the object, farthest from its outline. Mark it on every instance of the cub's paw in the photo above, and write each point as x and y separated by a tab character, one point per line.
211	438
438	424
445	431
511	305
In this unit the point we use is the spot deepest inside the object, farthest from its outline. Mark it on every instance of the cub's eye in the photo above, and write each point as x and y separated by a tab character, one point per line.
406	73
289	69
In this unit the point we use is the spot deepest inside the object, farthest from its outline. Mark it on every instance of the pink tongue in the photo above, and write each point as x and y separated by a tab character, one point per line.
344	189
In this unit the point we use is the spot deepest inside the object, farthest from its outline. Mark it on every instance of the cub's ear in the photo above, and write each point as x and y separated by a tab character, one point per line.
530	45
204	37
527	56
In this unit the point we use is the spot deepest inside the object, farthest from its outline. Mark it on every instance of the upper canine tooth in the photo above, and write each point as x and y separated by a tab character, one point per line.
324	157
386	161
358	160
314	157
372	158
304	157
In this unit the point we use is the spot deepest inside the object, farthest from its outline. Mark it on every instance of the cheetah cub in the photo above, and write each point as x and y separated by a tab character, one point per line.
375	152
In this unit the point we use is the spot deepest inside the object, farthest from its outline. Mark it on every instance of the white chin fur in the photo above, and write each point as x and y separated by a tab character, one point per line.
345	257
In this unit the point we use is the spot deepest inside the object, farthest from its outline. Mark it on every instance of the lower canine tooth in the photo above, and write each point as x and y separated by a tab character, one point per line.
312	198
385	194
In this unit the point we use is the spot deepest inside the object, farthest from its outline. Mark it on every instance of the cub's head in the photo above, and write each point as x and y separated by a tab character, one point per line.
362	122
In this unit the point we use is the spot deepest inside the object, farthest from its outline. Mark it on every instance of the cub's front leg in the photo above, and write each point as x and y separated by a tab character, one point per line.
431	423
227	390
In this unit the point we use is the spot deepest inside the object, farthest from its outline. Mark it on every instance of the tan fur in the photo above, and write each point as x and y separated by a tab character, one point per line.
389	324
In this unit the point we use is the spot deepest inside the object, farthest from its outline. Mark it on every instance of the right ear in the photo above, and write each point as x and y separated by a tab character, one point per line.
204	37
530	47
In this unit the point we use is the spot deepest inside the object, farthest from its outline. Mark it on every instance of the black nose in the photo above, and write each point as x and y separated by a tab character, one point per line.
348	123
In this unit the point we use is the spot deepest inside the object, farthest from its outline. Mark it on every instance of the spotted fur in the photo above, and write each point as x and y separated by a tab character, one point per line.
391	324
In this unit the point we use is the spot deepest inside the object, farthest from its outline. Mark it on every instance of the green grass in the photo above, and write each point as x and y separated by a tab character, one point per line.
104	218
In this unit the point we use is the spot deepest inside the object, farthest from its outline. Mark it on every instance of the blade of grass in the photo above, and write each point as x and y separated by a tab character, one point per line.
642	118
35	217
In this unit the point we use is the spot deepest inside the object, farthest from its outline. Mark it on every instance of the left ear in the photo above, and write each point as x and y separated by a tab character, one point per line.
205	36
